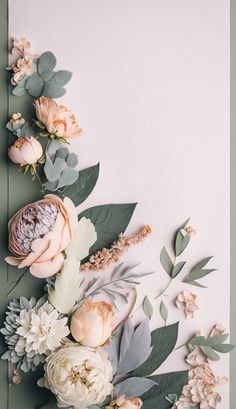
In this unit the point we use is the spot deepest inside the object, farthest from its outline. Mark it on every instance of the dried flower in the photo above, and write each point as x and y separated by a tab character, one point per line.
32	330
104	258
91	325
17	118
39	233
26	151
218	329
187	302
22	68
16	378
21	46
122	403
190	231
200	389
59	121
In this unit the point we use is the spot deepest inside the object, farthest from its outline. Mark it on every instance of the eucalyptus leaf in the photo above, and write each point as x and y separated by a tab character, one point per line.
177	268
163	311
109	220
46	62
34	85
133	387
72	160
84	185
210	341
224	348
54	170
163	342
181	242
19	91
147	307
53	90
198	272
210	353
62	77
166	261
68	177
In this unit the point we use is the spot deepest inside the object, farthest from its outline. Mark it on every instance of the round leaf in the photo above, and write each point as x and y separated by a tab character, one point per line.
34	85
47	62
53	90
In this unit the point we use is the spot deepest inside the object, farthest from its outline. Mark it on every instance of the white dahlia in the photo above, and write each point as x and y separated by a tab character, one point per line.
78	376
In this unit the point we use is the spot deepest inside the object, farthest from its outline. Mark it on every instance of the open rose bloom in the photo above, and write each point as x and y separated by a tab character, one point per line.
39	233
57	119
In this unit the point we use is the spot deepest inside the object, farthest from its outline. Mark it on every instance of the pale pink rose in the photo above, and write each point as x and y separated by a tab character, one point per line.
25	151
134	403
92	324
58	119
187	302
39	233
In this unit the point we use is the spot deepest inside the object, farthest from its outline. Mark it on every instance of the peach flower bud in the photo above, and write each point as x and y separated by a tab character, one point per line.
134	403
92	323
25	151
58	119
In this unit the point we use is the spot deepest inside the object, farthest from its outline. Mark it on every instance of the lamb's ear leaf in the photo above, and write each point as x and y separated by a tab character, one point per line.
109	220
84	185
134	387
163	342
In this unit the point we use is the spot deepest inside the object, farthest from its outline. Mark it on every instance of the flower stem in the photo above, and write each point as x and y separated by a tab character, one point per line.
38	178
163	291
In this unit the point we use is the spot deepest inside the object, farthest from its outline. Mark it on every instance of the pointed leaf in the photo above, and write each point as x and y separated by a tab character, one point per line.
181	242
163	311
177	268
224	348
147	307
133	387
210	353
166	261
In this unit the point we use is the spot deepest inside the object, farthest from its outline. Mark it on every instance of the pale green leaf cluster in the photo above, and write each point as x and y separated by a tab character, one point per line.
211	345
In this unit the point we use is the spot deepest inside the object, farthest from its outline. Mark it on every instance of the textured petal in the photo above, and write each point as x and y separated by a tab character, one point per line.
47	268
84	237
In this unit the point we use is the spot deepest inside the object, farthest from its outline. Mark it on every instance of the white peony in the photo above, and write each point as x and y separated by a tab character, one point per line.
78	376
40	330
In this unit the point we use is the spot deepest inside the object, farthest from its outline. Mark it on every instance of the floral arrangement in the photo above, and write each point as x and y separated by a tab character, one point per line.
90	358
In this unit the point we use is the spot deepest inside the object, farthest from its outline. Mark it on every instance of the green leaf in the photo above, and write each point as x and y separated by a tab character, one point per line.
47	62
198	272
84	185
163	342
19	91
34	85
147	307
163	311
177	268
166	261
195	283
53	90
210	341
210	353
169	384
62	77
67	178
201	263
133	387
181	242
47	75
109	220
224	348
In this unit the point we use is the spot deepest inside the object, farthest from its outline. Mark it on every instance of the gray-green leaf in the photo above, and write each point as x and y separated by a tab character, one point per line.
177	268
134	387
166	261
19	91
163	311
181	242
34	85
52	90
62	77
210	353
47	62
147	307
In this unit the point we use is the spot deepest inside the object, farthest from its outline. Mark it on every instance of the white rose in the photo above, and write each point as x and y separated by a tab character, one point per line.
78	376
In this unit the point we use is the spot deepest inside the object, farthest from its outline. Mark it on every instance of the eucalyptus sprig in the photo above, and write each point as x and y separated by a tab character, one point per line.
210	345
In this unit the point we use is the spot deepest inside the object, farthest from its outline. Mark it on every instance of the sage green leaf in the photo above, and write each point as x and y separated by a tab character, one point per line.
163	311
62	153
40	125
166	261
169	384
172	398
84	185
210	341
184	224
47	75
224	348
163	342
34	85
177	268
72	160
62	77
198	272
46	62
210	353
147	307
53	90
68	177
109	220
54	170
181	242
202	263
195	283
19	91
133	387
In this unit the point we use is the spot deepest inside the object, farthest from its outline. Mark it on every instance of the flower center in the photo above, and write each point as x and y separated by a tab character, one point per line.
80	374
35	222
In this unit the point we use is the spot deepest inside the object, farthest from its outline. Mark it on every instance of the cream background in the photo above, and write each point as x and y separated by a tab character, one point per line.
151	91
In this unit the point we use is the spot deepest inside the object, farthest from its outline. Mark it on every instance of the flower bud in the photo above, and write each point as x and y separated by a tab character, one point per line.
25	151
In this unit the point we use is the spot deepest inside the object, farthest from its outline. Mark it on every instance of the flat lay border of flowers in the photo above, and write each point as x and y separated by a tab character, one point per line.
88	358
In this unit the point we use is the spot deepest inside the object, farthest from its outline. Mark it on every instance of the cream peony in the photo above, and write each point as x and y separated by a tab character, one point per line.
25	151
78	376
92	323
58	119
39	233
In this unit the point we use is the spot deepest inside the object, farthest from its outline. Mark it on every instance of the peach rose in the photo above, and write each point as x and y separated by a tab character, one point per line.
39	233
25	151
92	323
58	119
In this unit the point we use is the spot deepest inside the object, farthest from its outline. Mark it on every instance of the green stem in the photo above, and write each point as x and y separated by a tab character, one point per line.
38	178
181	346
163	291
17	282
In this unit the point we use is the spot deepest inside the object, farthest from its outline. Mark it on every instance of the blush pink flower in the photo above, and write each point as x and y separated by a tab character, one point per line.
39	233
92	324
187	302
58	119
25	151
